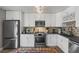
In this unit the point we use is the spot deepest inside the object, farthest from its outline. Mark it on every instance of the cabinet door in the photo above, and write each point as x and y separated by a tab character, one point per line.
53	20
48	40
31	40
47	20
62	43
24	41
50	20
27	40
47	23
59	19
26	21
29	20
12	15
51	40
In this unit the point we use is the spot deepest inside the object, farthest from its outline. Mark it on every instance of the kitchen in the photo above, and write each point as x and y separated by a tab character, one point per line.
43	29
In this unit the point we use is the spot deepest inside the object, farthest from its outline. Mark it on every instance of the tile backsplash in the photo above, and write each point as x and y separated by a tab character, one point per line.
50	30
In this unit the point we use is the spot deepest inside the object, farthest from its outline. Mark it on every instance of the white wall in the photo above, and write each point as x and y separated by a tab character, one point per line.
2	17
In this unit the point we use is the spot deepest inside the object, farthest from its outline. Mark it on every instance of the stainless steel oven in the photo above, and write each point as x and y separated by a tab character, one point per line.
40	40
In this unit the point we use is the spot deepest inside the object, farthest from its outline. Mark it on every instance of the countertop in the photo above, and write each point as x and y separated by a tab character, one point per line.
33	33
72	38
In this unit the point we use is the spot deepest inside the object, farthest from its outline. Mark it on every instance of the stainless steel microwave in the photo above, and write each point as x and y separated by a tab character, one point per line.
40	23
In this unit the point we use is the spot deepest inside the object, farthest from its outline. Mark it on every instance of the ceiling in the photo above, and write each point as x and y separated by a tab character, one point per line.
32	9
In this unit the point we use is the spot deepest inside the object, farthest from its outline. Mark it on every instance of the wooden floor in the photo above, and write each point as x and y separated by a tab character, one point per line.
33	50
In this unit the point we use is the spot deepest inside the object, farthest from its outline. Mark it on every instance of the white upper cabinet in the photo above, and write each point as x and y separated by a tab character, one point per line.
50	20
13	15
53	20
47	20
40	16
29	20
59	19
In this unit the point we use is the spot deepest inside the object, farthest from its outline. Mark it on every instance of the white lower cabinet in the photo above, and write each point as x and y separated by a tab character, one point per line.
27	40
51	40
57	40
63	43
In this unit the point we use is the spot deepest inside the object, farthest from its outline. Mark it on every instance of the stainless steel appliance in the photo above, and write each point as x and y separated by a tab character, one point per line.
11	34
39	23
73	47
40	39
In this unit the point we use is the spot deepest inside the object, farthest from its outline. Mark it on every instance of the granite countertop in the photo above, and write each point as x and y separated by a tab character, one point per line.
75	39
72	38
34	33
27	33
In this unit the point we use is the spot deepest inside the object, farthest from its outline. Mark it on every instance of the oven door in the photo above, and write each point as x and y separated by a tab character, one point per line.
39	40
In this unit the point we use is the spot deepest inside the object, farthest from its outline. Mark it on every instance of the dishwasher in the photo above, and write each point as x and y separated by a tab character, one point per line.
73	47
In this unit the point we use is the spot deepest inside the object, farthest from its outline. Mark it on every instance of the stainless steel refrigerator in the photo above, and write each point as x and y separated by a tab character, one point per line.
11	34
